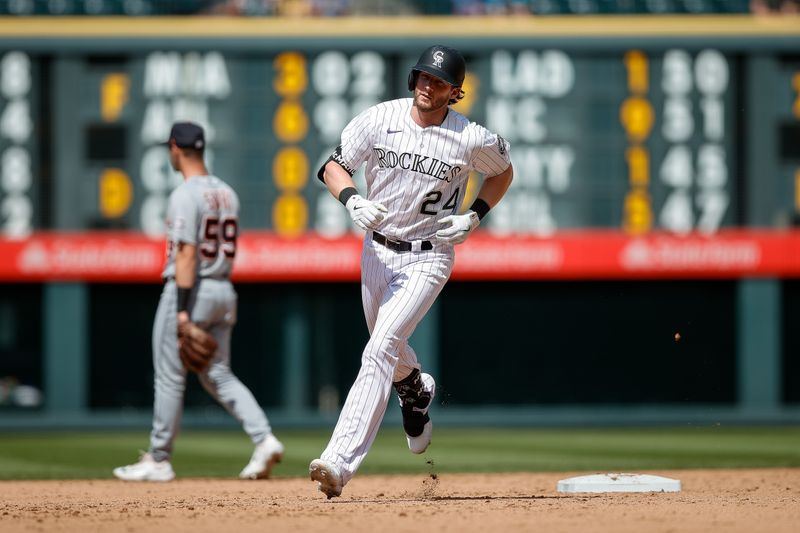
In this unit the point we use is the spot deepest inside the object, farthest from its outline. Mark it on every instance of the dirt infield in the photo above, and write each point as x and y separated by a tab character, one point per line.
711	500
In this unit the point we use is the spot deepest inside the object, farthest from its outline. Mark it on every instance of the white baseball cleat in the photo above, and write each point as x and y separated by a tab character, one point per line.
147	469
421	442
416	394
328	477
267	452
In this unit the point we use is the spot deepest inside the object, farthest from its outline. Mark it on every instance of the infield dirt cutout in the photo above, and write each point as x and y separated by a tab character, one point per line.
744	500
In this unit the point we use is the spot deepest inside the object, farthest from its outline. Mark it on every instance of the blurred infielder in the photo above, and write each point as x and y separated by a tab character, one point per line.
196	314
418	155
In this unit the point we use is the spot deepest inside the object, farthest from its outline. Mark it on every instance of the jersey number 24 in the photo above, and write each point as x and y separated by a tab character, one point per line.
433	198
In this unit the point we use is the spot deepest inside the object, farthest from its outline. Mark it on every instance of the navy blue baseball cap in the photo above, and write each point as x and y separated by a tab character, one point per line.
187	135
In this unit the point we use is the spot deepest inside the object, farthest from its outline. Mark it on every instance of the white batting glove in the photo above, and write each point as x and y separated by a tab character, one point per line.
367	215
459	227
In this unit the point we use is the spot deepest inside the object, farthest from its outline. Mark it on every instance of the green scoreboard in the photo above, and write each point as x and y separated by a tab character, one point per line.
657	159
610	128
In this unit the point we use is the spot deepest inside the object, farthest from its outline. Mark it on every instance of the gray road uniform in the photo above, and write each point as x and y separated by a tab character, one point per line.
203	211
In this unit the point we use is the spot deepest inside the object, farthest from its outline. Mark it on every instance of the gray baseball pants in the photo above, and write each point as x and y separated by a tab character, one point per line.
213	307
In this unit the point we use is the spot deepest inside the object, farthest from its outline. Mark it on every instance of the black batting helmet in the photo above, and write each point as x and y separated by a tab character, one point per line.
442	62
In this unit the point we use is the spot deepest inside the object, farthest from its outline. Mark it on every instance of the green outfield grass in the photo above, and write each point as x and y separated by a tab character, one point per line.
72	455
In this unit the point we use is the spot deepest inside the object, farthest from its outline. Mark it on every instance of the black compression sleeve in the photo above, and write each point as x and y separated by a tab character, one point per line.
183	298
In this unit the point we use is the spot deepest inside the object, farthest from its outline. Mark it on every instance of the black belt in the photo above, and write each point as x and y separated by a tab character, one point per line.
399	246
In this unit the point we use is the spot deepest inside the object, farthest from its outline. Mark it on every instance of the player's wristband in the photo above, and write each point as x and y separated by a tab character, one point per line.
183	298
346	194
480	207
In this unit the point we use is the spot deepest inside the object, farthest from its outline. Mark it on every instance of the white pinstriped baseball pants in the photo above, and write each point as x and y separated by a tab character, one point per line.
397	289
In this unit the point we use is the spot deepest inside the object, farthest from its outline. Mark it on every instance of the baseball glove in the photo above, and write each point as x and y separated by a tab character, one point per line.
195	346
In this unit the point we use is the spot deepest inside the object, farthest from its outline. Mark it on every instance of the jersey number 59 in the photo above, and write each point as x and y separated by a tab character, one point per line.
219	234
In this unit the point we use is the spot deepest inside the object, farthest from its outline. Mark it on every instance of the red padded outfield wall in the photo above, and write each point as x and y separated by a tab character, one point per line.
264	257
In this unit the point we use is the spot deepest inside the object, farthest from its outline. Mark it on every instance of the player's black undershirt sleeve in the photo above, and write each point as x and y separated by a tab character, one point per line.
336	157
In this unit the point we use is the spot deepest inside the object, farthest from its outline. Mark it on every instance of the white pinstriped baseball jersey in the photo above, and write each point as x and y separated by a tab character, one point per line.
419	174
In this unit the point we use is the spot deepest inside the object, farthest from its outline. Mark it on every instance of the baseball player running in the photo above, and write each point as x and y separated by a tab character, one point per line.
196	313
418	155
